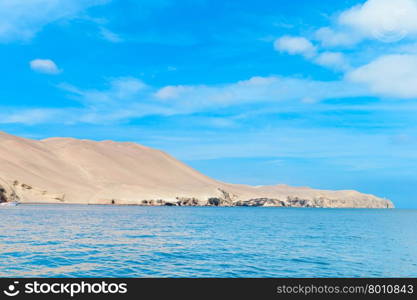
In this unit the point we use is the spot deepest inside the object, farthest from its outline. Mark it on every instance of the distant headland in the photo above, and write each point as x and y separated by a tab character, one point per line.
67	170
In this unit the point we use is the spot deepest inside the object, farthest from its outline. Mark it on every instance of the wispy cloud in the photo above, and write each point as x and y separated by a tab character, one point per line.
110	36
119	92
30	116
22	19
124	99
127	98
335	60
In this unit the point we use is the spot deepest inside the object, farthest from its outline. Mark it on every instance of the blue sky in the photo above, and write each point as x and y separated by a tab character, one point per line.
308	93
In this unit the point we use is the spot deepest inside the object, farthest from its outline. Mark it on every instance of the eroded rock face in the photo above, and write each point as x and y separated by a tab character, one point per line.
216	201
184	201
224	199
262	202
23	191
152	202
3	197
7	194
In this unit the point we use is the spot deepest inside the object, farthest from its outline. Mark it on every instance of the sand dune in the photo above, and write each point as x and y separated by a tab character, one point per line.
66	170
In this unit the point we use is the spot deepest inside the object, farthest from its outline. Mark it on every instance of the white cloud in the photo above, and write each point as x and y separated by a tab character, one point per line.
334	60
271	89
309	100
127	98
383	20
110	35
389	75
124	99
295	45
30	116
407	48
386	20
46	66
302	46
171	92
22	19
120	91
330	37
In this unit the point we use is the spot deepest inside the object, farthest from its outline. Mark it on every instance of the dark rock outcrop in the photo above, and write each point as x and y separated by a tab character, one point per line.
262	202
183	201
3	197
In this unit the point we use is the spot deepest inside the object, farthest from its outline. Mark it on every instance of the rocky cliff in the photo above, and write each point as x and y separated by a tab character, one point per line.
65	170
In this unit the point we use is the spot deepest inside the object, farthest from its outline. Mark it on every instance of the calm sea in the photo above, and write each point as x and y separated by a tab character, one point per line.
110	241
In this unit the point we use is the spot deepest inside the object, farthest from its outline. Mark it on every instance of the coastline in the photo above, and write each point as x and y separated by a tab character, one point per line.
68	170
198	206
161	203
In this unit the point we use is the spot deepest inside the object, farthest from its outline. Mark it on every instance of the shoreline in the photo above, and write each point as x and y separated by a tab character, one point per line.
204	206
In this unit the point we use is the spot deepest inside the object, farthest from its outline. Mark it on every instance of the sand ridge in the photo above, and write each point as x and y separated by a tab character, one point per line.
68	170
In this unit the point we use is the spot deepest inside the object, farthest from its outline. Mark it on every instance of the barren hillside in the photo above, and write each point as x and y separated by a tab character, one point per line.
66	170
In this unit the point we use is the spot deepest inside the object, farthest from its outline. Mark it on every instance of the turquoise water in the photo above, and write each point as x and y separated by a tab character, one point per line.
110	241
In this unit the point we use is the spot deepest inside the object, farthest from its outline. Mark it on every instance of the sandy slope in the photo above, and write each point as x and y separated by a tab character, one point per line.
65	170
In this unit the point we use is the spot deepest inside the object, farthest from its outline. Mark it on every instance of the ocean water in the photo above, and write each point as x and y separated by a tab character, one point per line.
112	241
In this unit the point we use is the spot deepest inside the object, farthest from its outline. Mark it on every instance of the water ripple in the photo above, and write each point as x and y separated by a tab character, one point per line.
107	241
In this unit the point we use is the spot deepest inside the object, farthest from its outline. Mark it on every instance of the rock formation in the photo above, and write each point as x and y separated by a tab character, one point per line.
3	197
66	170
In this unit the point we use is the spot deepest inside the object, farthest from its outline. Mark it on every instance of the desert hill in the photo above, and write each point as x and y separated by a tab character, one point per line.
66	170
